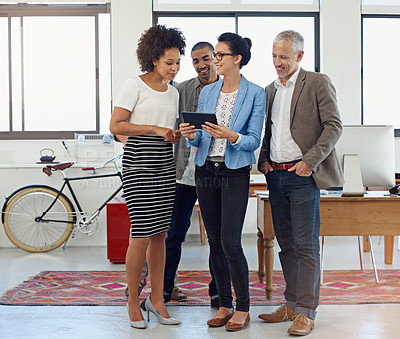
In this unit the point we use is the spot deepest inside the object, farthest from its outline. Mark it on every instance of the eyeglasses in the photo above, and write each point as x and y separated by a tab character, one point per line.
220	55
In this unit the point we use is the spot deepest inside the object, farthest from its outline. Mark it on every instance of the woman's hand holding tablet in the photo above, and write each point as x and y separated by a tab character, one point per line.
221	132
187	131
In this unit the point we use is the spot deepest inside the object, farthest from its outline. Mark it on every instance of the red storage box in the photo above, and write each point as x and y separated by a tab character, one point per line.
118	229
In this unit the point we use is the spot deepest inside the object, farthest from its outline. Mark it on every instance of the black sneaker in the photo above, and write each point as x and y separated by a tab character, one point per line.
142	284
143	305
215	301
167	297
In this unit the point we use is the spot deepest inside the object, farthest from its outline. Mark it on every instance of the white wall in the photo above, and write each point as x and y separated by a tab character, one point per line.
129	18
341	60
341	54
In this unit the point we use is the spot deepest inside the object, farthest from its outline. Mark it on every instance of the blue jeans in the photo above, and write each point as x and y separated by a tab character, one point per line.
296	218
223	195
185	198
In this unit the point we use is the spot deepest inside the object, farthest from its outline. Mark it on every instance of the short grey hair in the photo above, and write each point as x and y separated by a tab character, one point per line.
295	38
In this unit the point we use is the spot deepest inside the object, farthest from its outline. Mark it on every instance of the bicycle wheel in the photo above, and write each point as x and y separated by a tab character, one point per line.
29	234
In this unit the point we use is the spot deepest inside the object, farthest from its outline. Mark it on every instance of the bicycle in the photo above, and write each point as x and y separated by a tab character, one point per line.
40	218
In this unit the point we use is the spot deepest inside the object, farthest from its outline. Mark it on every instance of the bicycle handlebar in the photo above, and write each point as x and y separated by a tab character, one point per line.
115	159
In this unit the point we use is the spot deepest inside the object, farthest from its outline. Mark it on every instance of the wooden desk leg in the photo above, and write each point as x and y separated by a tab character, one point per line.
202	229
264	226
365	244
261	254
389	240
269	264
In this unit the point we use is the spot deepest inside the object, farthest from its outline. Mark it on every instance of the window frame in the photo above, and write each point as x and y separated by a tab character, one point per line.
237	15
379	9
235	6
28	10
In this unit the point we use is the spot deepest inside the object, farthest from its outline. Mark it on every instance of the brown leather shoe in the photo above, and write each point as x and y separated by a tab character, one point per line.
218	322
283	313
233	327
178	295
302	325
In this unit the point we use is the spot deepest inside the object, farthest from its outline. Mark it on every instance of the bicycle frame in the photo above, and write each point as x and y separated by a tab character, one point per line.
75	199
29	206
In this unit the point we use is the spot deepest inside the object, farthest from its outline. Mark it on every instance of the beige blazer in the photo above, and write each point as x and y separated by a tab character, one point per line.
315	126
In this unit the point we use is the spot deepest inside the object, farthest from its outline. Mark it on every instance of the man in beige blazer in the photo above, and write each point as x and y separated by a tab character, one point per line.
298	158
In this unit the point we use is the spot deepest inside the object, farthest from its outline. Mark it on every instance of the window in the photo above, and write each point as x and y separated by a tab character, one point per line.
60	64
379	81
4	98
190	28
260	68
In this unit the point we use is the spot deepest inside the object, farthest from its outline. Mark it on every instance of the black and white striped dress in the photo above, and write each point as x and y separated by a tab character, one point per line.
148	164
149	184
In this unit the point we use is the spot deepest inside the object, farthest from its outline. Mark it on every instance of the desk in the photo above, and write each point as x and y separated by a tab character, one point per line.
257	183
196	207
373	214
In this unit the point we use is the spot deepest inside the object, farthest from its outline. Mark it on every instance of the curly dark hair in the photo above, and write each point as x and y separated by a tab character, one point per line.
153	43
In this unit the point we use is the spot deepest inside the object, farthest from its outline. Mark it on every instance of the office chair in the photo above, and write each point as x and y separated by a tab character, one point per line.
359	253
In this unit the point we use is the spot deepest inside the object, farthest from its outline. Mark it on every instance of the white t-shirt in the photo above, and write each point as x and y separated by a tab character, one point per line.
148	106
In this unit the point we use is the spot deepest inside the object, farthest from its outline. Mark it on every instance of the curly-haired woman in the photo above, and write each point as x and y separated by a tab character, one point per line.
146	110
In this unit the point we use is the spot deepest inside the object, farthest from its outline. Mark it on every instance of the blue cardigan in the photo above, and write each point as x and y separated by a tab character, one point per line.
247	120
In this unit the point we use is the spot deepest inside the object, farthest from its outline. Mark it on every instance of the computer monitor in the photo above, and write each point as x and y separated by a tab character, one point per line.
367	155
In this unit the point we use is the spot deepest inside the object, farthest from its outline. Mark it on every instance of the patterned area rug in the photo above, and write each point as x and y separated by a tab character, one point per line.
106	288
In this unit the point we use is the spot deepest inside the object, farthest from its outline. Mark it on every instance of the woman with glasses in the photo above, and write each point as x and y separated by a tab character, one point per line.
224	157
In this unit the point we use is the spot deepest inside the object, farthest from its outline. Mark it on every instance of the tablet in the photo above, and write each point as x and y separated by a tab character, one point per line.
198	119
